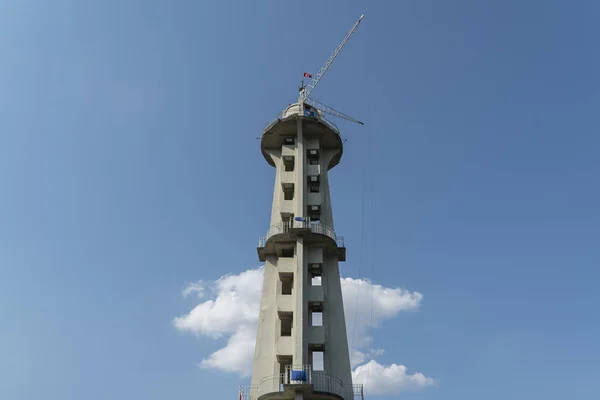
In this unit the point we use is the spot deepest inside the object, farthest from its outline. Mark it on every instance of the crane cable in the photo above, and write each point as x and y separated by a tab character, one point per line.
371	278
360	256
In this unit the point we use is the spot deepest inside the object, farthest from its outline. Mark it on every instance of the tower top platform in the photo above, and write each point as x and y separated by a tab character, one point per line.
314	124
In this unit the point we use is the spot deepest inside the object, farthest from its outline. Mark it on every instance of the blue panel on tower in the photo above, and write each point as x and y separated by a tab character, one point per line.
299	376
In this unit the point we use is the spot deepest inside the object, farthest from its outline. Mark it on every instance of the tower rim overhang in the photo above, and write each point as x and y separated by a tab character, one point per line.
314	125
312	233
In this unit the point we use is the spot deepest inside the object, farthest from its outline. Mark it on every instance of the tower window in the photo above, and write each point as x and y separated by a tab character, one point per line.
315	273
316	318
288	163
289	140
315	312
314	213
286	326
287	285
313	156
288	191
284	361
313	183
318	360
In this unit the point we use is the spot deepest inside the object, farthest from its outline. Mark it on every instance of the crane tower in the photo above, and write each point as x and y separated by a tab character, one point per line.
301	348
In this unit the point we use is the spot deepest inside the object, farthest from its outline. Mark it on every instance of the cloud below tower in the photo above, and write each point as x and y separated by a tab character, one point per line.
231	309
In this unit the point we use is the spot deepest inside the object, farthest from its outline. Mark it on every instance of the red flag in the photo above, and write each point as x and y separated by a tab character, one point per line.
307	75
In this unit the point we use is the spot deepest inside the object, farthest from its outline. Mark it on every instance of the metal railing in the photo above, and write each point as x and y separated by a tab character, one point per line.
292	113
357	392
329	384
271	384
315	227
320	381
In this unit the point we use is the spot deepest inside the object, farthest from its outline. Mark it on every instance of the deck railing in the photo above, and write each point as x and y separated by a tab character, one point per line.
320	381
292	113
315	227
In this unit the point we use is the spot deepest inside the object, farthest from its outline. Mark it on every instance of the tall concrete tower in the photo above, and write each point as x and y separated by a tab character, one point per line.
301	345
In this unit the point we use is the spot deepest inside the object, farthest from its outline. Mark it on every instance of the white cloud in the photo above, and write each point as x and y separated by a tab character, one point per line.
234	308
360	294
357	357
392	379
195	287
237	355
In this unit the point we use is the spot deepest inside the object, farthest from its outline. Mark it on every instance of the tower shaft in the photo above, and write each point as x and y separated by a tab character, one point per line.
301	344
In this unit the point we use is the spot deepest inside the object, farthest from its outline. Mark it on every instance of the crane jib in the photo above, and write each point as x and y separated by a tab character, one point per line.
317	78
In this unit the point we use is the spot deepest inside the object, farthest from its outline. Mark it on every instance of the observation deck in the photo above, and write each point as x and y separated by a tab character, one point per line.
312	232
313	384
314	125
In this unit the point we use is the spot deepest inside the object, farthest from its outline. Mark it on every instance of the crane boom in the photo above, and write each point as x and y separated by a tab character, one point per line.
328	110
315	81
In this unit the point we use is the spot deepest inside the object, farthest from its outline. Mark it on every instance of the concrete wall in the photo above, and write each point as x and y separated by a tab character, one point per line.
265	353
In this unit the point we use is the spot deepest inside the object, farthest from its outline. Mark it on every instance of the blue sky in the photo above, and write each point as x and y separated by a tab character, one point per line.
129	168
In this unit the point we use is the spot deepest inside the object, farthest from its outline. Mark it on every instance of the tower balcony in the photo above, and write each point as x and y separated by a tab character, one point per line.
313	384
312	232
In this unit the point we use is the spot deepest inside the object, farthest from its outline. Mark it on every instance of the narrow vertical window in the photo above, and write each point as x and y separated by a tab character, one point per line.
287	286
318	360
286	326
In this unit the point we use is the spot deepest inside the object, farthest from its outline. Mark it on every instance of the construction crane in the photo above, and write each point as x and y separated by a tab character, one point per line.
328	110
306	91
